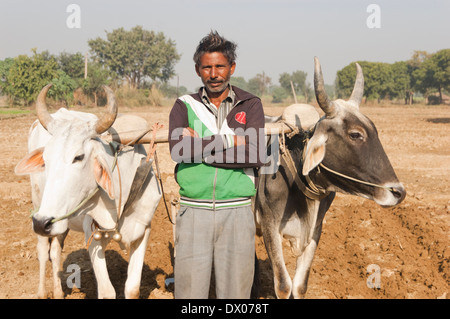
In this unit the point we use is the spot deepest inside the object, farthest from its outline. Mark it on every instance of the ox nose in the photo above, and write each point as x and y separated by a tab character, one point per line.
42	226
399	192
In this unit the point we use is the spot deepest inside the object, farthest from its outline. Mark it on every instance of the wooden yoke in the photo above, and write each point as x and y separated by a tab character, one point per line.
162	136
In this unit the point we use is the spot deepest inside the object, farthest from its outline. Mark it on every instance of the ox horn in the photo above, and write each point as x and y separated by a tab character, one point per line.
358	89
322	98
41	107
107	119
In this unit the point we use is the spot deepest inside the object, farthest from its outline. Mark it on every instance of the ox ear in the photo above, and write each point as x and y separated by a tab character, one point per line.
32	163
103	176
314	154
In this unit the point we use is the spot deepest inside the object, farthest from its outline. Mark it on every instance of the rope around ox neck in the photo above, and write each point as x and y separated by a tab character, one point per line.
391	189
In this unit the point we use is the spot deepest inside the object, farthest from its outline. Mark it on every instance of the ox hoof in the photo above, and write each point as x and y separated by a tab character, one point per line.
132	293
58	295
300	294
283	291
42	295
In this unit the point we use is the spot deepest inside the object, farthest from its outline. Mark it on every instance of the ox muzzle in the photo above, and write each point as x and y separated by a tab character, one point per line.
42	226
48	226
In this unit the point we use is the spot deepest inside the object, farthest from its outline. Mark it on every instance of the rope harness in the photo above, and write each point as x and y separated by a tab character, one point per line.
391	189
311	190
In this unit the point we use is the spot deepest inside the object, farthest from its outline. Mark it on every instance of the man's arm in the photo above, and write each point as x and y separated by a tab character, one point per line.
184	143
228	151
247	145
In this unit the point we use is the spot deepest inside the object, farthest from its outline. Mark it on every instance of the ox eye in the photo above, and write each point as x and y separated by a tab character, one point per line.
78	158
355	135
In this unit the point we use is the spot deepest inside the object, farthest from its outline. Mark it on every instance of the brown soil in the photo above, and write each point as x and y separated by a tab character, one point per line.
409	243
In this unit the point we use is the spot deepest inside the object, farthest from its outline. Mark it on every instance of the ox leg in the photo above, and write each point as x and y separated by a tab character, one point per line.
282	280
56	246
105	289
43	247
304	261
137	254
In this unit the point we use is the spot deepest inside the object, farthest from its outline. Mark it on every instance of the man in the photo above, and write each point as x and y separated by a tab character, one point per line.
213	137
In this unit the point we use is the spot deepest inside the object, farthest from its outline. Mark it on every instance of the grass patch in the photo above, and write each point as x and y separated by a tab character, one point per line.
13	111
8	113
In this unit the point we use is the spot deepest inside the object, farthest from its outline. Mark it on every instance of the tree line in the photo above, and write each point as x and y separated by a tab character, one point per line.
144	61
291	87
137	58
426	74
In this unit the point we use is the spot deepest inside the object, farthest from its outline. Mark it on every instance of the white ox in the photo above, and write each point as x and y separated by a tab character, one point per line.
67	162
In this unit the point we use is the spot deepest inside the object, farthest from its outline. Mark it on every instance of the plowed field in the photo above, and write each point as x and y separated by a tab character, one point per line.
409	244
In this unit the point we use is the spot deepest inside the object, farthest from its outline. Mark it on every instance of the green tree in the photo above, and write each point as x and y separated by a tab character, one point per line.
136	54
72	64
298	79
259	84
330	89
401	81
97	76
414	64
28	75
240	82
418	58
434	73
5	65
378	80
63	87
345	80
278	94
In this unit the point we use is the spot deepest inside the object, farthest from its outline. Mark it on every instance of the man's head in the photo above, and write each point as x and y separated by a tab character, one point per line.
215	62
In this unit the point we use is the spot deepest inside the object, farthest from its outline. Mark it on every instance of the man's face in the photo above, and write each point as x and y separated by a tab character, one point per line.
215	71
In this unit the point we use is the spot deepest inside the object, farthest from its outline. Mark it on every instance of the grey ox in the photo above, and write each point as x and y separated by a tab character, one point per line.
80	182
342	153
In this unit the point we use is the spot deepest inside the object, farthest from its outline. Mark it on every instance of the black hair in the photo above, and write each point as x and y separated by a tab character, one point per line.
213	42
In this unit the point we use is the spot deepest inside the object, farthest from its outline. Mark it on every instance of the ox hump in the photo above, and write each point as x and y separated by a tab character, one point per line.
303	116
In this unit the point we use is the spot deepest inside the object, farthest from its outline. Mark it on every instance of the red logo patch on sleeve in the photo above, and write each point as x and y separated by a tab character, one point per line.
240	117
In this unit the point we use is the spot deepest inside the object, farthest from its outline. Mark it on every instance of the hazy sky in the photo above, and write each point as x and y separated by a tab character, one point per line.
273	36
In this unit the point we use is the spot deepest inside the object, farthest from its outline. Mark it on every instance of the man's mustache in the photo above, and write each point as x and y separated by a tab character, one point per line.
213	82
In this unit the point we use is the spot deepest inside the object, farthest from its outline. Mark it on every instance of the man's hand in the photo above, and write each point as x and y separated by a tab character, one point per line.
189	131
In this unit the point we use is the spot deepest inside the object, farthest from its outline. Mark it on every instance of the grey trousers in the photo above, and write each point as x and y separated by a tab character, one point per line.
224	239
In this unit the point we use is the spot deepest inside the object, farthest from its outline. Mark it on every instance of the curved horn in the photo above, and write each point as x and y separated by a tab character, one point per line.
358	89
41	107
322	98
107	119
